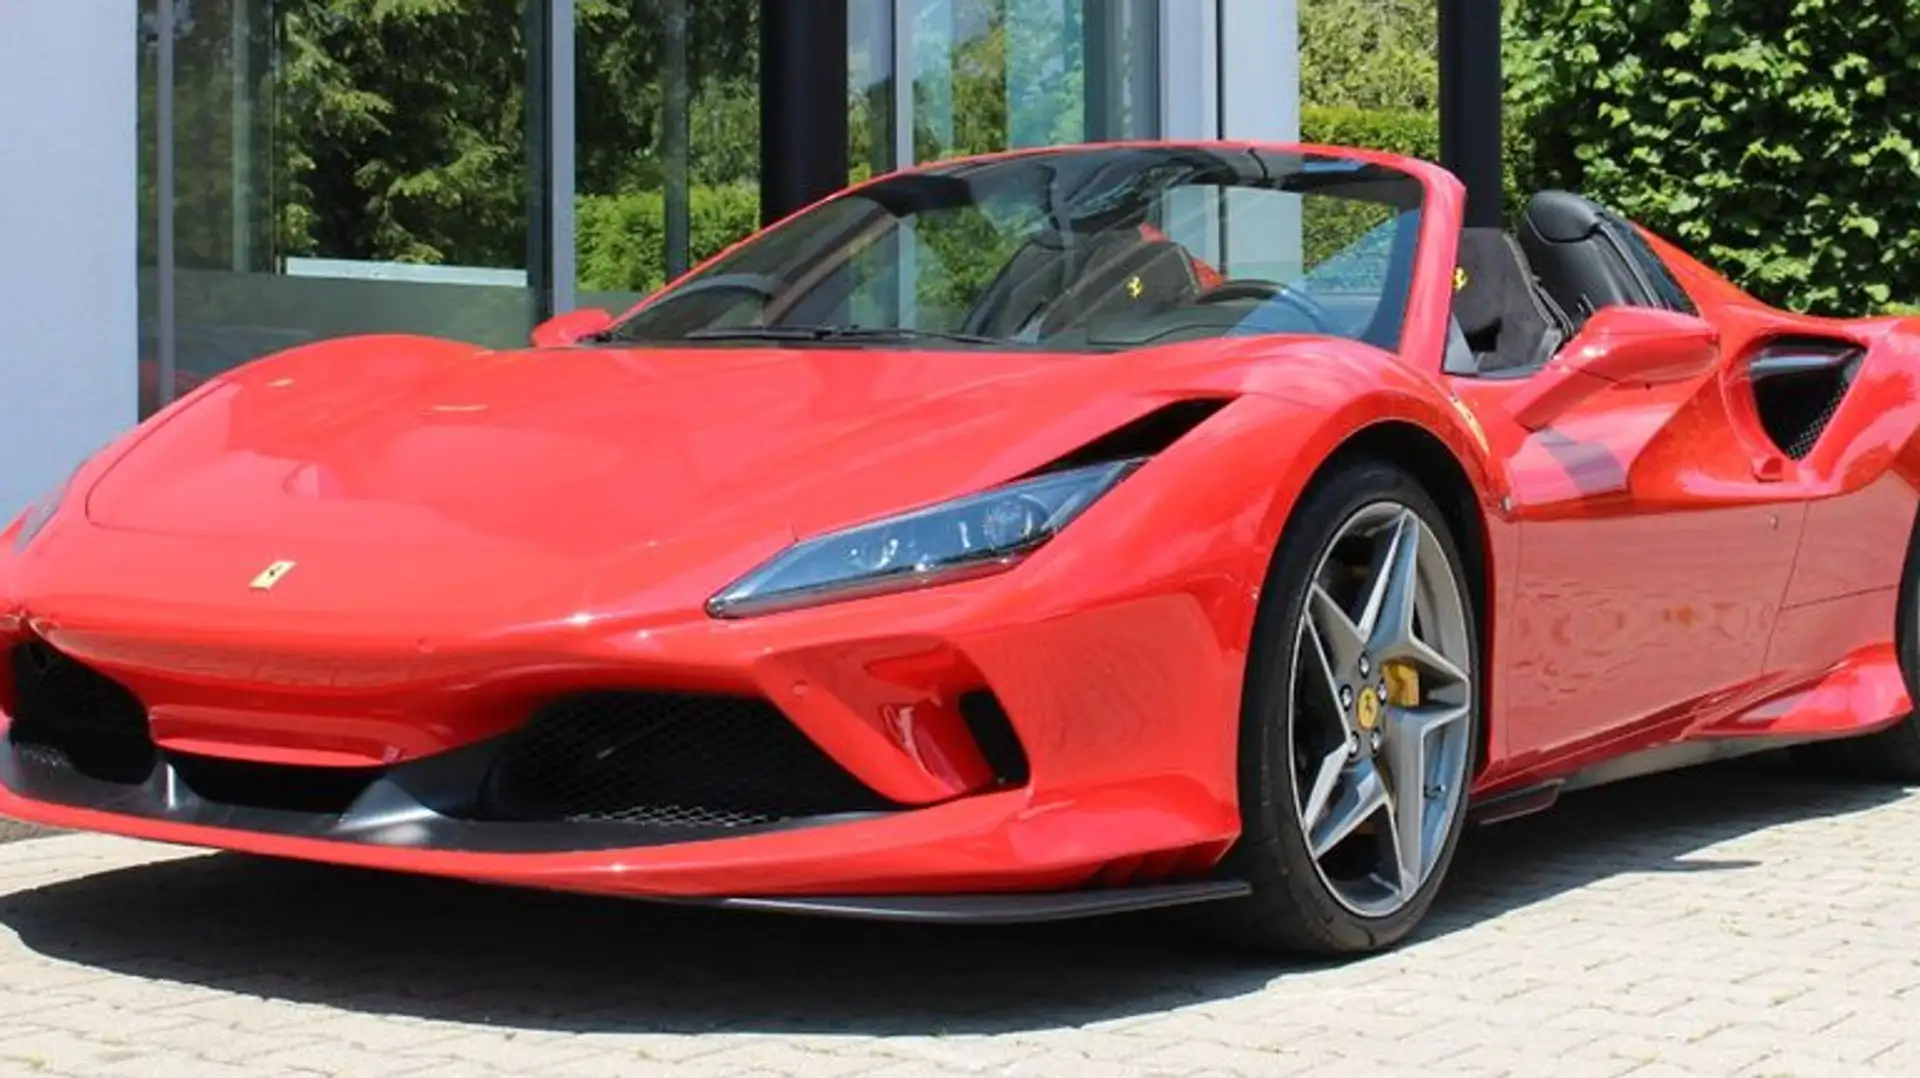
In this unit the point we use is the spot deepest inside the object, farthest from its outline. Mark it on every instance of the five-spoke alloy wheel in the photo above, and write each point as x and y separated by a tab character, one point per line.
1360	725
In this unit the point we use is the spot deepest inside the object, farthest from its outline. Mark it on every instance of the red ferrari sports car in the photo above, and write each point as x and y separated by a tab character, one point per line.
1021	537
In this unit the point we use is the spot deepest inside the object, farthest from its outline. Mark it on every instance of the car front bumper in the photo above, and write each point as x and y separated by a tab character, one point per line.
1124	706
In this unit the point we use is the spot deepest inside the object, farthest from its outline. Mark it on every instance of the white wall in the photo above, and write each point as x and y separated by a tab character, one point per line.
68	301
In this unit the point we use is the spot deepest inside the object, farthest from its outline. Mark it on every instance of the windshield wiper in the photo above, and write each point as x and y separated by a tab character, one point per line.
757	333
906	333
839	333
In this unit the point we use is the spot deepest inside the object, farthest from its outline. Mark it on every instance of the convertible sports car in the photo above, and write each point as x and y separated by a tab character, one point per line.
1021	537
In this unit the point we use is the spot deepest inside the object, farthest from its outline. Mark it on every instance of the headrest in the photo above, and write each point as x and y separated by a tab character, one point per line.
1562	217
1490	271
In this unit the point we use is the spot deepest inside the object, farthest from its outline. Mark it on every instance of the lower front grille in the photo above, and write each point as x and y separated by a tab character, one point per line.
667	760
64	709
322	790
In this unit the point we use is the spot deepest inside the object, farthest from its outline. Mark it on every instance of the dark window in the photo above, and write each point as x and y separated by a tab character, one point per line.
1666	291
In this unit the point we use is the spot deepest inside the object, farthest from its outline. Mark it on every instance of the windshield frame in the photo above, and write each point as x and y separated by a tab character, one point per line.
1426	266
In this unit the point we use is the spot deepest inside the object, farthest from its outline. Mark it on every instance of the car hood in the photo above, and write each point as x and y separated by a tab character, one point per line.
413	443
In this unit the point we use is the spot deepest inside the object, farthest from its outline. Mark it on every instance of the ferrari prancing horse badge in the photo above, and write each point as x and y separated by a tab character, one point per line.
271	575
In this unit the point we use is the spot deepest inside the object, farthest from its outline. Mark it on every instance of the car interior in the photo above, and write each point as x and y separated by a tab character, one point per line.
1521	295
1061	282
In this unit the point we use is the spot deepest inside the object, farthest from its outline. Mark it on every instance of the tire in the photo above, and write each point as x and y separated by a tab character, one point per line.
1891	755
1300	904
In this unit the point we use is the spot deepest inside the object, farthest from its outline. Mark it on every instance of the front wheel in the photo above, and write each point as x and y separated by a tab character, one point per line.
1361	719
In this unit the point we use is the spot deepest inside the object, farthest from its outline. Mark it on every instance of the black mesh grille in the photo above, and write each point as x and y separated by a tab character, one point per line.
66	710
1796	403
662	760
1809	435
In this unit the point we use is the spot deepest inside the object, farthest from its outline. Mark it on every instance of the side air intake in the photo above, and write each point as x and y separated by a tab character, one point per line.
1144	436
1798	384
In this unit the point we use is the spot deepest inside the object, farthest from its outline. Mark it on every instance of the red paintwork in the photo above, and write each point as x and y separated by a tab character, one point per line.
1629	346
475	531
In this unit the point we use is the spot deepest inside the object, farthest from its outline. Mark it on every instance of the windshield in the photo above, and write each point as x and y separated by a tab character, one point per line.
1079	250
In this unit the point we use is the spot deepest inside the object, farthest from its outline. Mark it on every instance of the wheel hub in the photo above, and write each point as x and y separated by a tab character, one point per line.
1366	710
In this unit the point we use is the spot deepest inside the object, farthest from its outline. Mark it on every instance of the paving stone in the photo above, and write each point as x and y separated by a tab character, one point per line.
1729	921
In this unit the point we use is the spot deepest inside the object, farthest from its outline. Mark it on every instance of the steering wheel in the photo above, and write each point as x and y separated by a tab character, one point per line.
1241	288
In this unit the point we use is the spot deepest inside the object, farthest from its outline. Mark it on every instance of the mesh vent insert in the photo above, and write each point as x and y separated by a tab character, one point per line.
65	710
670	761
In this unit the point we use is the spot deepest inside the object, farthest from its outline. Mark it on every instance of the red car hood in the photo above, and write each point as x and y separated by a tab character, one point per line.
404	442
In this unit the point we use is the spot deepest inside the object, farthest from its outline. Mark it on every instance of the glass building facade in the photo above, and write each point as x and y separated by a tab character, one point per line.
313	168
217	180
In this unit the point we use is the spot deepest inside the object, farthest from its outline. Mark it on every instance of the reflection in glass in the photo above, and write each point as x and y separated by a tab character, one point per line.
147	193
870	88
1069	250
337	175
668	139
994	75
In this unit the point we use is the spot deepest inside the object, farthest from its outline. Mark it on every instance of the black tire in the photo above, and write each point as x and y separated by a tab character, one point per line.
1892	755
1292	909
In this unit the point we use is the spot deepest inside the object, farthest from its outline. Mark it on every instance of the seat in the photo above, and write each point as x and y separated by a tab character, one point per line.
1579	263
1152	275
1507	323
1064	283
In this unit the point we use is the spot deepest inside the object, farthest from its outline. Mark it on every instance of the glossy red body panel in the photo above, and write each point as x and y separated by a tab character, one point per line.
474	532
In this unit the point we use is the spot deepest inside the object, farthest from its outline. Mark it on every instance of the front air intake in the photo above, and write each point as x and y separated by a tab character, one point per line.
664	760
325	791
67	712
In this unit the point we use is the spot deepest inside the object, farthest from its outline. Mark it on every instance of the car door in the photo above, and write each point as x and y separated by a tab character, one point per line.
1651	568
1653	551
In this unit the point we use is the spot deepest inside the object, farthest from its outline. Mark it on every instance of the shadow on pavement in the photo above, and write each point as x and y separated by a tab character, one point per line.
448	951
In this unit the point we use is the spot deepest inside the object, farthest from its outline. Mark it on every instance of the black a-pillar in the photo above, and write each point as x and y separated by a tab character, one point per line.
1470	103
803	103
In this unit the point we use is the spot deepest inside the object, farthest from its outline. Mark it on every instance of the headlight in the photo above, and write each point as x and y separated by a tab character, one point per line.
973	536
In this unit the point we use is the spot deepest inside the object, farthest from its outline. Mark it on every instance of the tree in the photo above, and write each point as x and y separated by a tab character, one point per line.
404	126
1370	54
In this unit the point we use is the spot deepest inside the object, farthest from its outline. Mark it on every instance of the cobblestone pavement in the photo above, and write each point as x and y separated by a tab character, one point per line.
1721	922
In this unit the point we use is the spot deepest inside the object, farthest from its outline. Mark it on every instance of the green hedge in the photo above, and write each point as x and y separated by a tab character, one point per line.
1414	134
1773	139
623	240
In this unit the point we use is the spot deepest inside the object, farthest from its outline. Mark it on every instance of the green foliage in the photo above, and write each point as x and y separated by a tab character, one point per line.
1370	54
403	128
1329	226
623	242
1401	131
1772	138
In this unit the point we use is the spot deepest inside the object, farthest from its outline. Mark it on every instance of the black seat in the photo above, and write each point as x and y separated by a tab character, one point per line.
1578	261
1063	281
1500	310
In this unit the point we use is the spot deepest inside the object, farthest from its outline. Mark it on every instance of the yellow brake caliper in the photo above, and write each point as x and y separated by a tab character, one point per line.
1403	684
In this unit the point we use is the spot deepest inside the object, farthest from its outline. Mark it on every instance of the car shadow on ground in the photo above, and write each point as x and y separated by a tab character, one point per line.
519	960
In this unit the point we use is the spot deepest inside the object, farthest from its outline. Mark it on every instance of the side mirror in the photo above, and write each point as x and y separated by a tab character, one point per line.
564	329
1630	346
